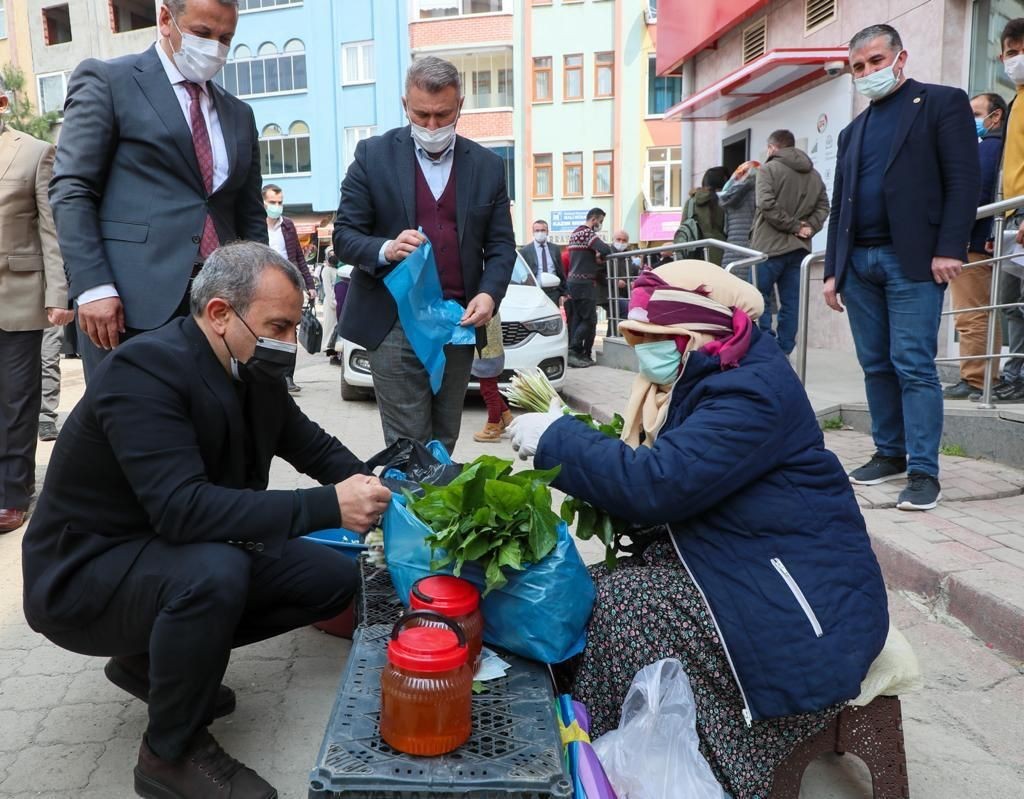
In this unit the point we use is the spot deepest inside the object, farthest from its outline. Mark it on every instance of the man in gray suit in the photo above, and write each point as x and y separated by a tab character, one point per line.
156	166
543	256
423	176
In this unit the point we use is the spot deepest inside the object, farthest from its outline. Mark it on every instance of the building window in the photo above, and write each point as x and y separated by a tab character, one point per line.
987	73
435	9
507	154
270	72
651	12
542	80
603	161
355	135
604	74
573	78
486	78
285	153
265	5
572	174
664	178
56	25
357	63
3	19
131	15
542	188
662	93
53	88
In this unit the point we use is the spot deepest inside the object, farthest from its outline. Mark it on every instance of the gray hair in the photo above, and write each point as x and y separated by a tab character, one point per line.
177	7
433	74
232	273
872	32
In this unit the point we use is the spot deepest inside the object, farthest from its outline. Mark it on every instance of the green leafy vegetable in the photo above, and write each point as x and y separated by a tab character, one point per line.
489	515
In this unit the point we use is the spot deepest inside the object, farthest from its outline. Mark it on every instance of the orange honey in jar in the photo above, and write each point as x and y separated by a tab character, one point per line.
426	686
457	599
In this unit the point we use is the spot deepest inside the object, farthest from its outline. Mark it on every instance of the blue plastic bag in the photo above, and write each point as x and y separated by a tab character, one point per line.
541	612
429	321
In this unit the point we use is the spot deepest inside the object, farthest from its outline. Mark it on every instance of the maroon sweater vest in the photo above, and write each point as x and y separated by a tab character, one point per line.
438	220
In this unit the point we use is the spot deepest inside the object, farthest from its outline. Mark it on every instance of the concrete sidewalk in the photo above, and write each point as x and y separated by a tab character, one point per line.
966	557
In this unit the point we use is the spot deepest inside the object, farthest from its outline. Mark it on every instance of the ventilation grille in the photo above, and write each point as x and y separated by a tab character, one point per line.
818	12
755	41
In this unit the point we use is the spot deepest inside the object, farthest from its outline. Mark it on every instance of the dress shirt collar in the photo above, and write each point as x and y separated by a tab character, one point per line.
276	223
425	157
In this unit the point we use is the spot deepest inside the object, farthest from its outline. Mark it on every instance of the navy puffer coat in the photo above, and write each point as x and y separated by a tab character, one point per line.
762	516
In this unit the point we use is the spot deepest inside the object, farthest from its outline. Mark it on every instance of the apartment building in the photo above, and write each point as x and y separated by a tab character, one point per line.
15	46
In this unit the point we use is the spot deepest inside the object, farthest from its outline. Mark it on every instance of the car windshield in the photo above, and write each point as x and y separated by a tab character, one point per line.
521	274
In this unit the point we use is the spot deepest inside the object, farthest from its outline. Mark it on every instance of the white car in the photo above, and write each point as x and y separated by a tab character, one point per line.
532	330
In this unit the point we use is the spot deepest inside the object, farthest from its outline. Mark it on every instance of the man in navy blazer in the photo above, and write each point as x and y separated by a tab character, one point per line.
423	177
903	204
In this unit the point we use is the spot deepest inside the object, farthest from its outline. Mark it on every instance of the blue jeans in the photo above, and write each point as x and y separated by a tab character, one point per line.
895	326
782	271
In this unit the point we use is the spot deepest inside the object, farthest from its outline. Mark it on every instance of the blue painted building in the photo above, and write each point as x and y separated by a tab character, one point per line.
320	75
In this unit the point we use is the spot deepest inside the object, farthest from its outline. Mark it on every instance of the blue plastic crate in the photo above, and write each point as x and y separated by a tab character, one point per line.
340	539
514	751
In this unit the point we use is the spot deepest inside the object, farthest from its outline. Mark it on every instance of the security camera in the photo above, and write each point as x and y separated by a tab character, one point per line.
834	68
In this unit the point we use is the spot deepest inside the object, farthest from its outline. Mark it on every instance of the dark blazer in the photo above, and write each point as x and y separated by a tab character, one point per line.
127	194
990	156
295	254
529	253
155	449
932	181
378	201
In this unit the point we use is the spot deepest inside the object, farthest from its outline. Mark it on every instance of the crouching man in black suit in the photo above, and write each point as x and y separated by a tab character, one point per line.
156	542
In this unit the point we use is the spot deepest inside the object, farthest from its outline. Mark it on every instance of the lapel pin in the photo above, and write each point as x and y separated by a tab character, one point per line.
917	99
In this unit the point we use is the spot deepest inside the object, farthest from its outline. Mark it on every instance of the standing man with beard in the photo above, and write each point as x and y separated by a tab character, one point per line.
423	176
156	167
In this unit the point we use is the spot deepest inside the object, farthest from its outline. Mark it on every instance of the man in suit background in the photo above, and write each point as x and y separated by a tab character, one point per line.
156	166
907	180
164	564
543	256
423	176
33	297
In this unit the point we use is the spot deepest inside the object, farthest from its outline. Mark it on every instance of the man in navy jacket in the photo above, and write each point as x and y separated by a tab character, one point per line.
907	180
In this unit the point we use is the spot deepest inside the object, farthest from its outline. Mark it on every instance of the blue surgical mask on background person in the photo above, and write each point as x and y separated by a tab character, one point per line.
275	211
881	83
659	360
199	59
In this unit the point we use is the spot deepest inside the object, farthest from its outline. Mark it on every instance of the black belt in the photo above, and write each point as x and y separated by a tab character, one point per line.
882	242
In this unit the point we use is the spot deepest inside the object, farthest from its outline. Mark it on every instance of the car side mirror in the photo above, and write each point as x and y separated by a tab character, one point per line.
549	281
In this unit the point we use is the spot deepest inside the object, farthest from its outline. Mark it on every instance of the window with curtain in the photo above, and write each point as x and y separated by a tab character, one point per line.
604	74
573	77
603	180
542	187
664	178
357	63
662	93
572	174
542	79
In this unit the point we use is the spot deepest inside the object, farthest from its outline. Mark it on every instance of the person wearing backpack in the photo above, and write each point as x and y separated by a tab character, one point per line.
703	217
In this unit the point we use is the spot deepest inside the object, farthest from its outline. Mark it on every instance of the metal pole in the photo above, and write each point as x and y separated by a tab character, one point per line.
993	314
804	311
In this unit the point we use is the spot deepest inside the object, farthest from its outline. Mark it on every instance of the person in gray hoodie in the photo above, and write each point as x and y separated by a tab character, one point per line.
792	205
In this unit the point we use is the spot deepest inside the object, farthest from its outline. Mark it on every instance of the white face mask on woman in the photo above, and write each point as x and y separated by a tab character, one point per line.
199	59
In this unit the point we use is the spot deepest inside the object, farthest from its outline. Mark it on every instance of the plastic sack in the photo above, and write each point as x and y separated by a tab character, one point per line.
541	613
653	754
408	463
428	320
582	764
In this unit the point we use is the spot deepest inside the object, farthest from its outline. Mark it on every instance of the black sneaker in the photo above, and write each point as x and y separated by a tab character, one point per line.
879	469
1014	394
922	493
576	362
1007	388
962	390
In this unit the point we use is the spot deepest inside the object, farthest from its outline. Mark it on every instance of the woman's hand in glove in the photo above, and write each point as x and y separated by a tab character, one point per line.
527	429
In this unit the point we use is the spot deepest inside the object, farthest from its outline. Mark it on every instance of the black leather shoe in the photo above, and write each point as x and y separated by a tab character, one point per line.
131	674
962	390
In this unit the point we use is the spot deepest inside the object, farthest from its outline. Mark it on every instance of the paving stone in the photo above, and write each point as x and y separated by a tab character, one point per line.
18	728
92	685
311	642
25	693
113	773
1011	540
252	675
946	666
1006	555
52	768
50	659
86	723
316	673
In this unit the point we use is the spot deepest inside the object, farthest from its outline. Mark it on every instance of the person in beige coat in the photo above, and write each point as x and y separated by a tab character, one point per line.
33	296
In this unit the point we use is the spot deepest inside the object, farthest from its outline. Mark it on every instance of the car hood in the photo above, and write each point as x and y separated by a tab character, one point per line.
526	302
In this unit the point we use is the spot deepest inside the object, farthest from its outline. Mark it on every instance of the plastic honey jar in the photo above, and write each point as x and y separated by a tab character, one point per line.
426	686
457	599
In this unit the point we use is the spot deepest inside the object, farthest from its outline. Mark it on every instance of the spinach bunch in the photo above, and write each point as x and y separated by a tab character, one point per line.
491	516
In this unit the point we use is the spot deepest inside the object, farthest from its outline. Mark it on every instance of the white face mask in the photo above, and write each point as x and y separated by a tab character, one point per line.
619	246
881	83
433	141
540	237
1015	69
199	59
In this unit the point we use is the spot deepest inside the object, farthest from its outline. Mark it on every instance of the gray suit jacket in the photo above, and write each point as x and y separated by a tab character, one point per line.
378	201
127	194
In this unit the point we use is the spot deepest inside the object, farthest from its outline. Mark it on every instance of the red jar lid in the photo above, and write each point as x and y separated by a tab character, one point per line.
430	649
444	594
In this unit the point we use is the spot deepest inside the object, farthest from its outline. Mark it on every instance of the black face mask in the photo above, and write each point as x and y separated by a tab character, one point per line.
271	362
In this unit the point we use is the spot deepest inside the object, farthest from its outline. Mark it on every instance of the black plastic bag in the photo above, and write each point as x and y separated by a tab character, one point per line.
417	463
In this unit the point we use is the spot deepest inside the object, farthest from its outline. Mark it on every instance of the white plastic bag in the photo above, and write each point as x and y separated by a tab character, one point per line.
653	754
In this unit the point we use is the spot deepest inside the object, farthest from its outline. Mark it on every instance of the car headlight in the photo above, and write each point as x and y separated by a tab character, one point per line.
548	326
359	360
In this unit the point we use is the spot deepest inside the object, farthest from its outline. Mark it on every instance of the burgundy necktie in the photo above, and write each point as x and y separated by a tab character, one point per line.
204	155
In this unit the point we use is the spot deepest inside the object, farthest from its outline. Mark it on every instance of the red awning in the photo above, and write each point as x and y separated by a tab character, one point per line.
685	27
756	83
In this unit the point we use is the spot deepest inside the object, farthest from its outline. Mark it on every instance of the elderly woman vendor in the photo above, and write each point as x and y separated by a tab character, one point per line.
762	583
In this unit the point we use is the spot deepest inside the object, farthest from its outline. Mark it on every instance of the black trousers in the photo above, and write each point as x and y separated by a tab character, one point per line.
188	606
20	397
584	318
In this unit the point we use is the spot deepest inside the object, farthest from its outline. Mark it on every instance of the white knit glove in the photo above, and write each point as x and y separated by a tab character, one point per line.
527	429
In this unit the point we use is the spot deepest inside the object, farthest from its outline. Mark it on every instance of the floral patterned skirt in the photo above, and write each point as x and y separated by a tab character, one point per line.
647	609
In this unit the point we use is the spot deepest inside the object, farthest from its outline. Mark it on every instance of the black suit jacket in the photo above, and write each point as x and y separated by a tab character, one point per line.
127	194
378	201
932	181
155	449
529	253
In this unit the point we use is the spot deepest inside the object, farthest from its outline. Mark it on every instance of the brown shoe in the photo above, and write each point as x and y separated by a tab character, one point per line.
204	772
491	432
11	519
506	419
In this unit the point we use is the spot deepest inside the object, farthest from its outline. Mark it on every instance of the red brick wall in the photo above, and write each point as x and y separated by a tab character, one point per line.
486	124
461	31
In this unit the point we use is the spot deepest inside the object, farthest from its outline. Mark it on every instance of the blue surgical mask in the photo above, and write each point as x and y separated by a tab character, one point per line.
979	125
275	211
659	361
879	84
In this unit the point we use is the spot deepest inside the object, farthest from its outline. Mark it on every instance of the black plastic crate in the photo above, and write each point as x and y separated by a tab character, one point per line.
514	751
378	603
